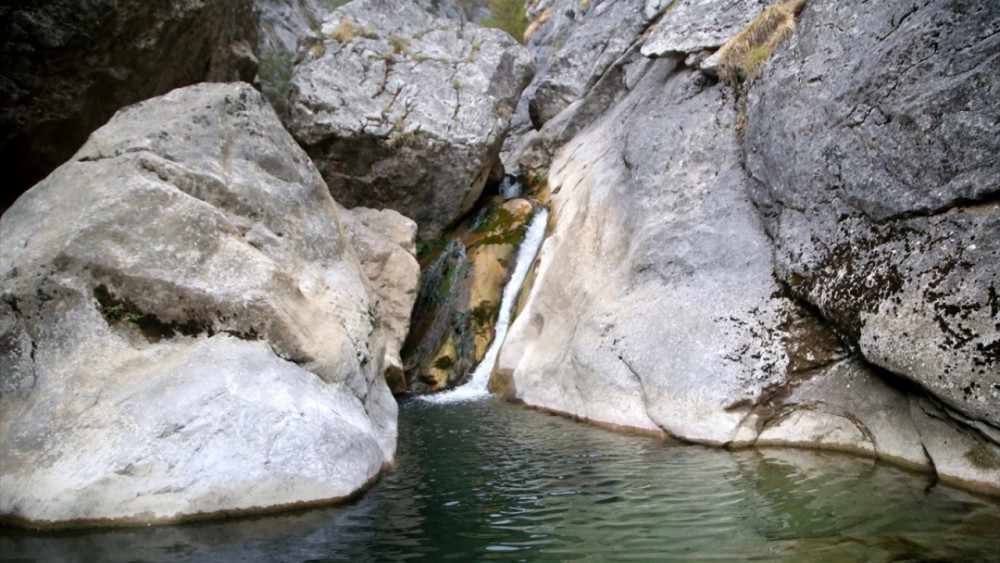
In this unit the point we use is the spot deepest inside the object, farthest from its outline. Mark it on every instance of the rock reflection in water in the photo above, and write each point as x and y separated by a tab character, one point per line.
486	480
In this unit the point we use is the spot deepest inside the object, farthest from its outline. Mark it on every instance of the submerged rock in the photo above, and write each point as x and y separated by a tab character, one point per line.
405	111
66	66
186	327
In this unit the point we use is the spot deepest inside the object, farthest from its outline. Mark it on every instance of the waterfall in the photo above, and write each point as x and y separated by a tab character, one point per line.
510	187
475	388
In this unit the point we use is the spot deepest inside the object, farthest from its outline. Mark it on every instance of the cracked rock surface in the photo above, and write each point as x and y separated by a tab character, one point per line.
186	328
405	111
821	271
874	137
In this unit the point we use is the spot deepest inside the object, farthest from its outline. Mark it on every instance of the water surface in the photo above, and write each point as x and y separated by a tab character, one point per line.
484	480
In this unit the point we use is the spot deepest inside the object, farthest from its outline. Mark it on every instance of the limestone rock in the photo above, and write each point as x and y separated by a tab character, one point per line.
191	329
694	25
600	36
66	66
876	156
283	23
652	306
385	243
404	111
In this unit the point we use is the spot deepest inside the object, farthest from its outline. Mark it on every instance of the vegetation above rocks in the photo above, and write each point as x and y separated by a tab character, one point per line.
744	56
275	71
510	16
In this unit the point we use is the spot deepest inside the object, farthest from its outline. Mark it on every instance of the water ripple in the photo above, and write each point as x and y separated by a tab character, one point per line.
487	481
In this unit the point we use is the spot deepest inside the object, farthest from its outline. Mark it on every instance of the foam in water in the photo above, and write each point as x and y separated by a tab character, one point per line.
476	386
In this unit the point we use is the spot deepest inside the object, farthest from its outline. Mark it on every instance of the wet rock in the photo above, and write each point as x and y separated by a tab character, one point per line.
192	330
454	319
66	66
404	111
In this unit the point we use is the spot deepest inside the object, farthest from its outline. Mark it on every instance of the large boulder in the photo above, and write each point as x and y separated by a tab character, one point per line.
405	111
385	242
656	303
67	65
876	152
652	306
186	328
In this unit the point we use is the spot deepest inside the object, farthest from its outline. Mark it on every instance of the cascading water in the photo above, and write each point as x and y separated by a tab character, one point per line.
475	388
510	187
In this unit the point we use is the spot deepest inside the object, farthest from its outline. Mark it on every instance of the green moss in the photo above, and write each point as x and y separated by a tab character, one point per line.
500	227
484	313
444	363
275	70
120	313
510	16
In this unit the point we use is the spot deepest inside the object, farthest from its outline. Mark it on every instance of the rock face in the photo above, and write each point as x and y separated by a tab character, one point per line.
385	242
877	160
590	37
404	111
66	66
283	23
839	295
185	326
657	278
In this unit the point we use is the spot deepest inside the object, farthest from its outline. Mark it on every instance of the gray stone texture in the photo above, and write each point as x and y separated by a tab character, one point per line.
405	111
185	326
874	137
841	295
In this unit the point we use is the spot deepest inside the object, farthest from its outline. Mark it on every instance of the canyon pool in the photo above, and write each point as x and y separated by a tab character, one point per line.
485	480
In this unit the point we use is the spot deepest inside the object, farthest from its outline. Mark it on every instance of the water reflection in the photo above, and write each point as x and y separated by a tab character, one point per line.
486	480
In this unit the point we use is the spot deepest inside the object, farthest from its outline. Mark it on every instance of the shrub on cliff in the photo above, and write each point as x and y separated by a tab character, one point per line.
510	16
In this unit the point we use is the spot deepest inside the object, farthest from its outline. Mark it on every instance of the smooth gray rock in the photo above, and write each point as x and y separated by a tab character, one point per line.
652	306
66	66
284	22
404	111
875	149
386	244
655	304
186	327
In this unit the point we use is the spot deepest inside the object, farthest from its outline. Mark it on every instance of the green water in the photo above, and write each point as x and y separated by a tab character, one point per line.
483	481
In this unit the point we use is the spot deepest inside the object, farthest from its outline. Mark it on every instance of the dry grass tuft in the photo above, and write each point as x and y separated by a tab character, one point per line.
744	56
344	32
536	23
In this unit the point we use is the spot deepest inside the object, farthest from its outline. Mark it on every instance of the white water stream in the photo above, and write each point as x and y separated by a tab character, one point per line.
475	388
